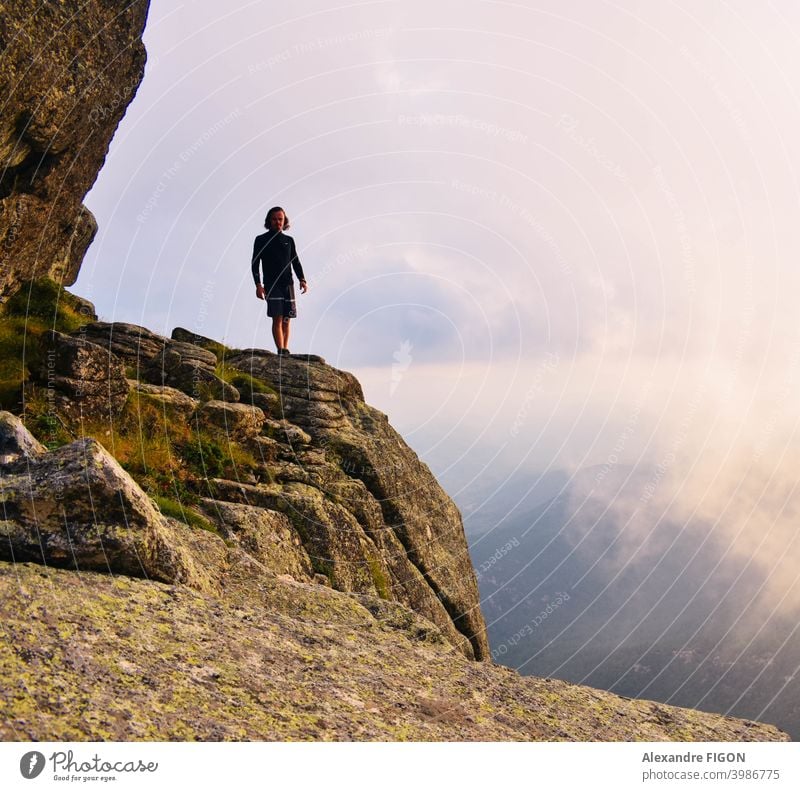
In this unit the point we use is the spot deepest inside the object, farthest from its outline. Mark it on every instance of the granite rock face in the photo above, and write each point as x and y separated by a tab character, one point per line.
91	657
68	71
316	607
169	397
267	536
16	442
162	361
236	421
371	517
383	509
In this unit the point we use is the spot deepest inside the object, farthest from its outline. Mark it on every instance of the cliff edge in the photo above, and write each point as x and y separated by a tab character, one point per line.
278	455
251	552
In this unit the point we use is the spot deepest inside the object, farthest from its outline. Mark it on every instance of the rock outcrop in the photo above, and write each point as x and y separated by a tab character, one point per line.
88	656
371	517
75	507
68	71
16	442
328	597
82	376
415	525
162	361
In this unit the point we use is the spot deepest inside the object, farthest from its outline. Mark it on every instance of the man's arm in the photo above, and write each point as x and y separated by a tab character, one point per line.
255	268
298	269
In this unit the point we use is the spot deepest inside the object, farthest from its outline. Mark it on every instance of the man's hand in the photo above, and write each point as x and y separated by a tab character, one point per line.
260	292
303	286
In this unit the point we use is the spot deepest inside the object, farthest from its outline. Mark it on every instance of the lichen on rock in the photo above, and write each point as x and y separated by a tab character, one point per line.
95	657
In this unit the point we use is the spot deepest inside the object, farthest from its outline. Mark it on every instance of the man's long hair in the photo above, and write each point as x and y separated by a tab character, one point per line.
272	211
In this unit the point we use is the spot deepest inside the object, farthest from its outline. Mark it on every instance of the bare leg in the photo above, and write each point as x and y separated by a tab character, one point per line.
285	332
277	331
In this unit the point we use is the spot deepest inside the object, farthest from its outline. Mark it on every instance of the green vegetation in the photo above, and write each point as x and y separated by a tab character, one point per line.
219	349
40	306
204	455
379	579
49	302
170	456
243	382
43	421
165	452
182	513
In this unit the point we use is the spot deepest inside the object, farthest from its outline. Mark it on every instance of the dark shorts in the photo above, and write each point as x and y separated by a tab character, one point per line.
280	301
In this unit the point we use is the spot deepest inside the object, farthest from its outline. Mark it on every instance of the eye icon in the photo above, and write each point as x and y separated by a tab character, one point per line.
31	764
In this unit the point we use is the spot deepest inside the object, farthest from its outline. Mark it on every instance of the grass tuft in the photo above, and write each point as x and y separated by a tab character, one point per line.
245	383
182	513
37	307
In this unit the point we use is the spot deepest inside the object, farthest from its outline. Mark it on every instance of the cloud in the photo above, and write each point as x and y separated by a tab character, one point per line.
721	464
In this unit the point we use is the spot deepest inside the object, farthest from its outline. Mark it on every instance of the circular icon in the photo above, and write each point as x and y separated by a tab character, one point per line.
31	764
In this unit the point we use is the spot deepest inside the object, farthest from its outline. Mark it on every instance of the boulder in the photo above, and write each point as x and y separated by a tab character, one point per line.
299	376
133	344
266	535
268	403
84	307
170	397
191	369
162	361
187	336
16	442
285	432
84	378
309	358
69	71
400	506
265	449
180	353
237	421
75	507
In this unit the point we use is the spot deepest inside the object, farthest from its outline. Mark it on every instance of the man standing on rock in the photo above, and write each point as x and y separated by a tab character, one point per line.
276	251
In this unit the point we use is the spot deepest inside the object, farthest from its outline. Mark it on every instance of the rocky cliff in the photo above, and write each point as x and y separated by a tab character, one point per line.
205	543
300	473
68	71
249	552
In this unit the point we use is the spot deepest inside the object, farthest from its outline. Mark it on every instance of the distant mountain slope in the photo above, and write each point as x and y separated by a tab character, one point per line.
570	590
491	503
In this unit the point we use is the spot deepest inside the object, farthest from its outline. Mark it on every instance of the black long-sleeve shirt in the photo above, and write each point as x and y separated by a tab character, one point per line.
278	255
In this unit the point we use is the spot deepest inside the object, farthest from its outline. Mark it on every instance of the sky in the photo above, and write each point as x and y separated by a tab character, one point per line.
544	235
